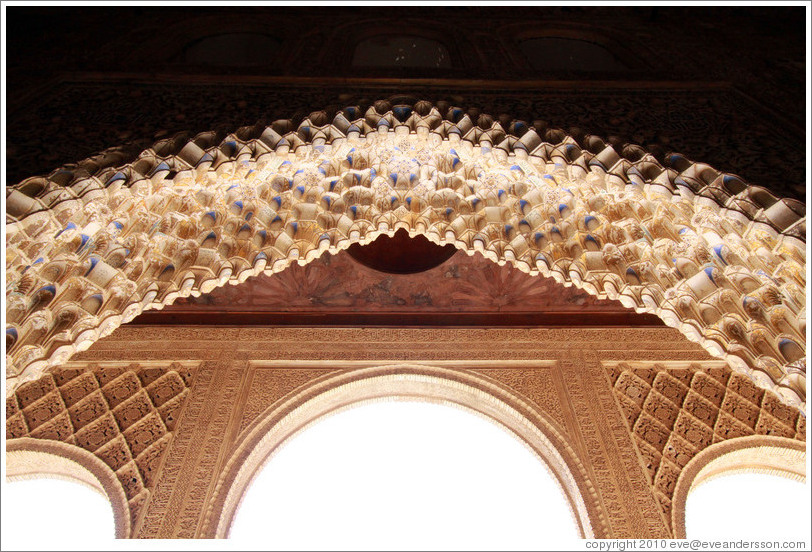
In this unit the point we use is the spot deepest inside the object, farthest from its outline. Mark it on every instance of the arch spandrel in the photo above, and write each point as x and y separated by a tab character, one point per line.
28	458
333	393
94	244
753	454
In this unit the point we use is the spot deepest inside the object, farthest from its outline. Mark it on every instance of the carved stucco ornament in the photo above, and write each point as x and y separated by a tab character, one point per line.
94	244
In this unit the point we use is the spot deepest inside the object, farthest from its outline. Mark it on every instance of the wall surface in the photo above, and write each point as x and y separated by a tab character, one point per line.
237	374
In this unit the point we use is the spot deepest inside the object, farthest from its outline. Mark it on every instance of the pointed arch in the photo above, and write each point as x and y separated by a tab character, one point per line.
334	393
93	245
28	458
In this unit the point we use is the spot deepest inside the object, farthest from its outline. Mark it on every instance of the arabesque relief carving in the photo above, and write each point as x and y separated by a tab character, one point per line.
673	414
123	414
94	244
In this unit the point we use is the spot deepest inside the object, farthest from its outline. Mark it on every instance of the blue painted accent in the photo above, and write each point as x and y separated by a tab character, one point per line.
238	204
85	239
263	234
549	176
455	161
523	203
588	219
162	166
298	172
393	177
409	200
277	218
282	142
322	171
555	230
39	260
515	168
508	228
353	128
475	201
295	226
94	260
300	189
305	129
562	207
727	179
455	130
118	176
232	186
354	209
248	215
392	200
212	215
500	193
591	238
278	200
245	227
70	226
631	271
327	200
402	112
285	163
682	231
718	250
349	159
486	149
350	112
12	332
372	174
210	236
357	177
260	256
48	289
448	211
118	225
784	342
168	268
383	122
709	272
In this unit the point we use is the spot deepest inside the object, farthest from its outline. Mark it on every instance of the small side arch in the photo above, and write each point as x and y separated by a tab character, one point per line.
28	458
755	454
334	393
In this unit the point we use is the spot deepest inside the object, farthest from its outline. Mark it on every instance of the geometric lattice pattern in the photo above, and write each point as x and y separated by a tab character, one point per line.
673	414
124	415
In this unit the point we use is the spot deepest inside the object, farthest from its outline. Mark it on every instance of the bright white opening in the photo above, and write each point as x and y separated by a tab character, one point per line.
748	506
403	475
54	514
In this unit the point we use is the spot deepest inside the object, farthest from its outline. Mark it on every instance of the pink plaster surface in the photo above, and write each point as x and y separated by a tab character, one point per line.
338	283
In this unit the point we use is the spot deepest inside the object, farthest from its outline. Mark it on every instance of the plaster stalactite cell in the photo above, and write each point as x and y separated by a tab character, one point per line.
91	246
